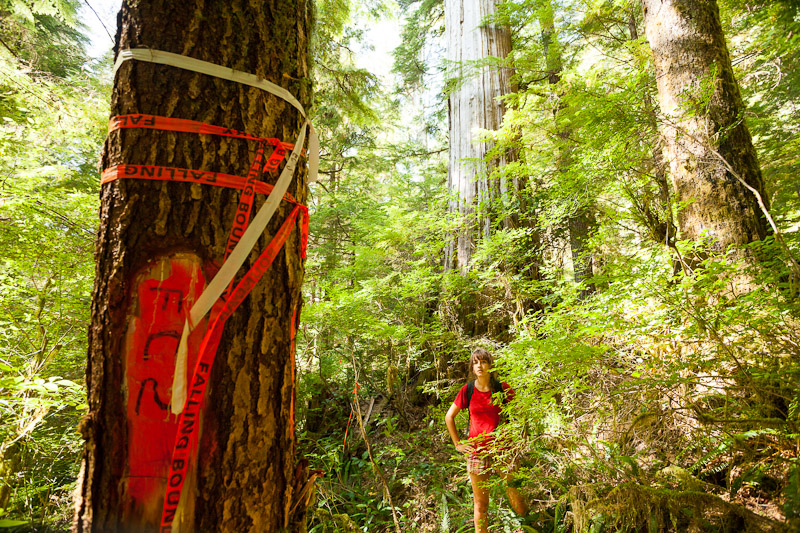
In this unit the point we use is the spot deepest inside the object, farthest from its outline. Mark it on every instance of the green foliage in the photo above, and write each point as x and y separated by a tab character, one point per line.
665	385
52	121
349	488
341	90
767	51
428	482
371	279
422	29
667	400
43	35
791	507
655	364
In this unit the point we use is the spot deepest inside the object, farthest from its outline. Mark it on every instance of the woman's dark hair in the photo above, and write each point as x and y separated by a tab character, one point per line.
479	354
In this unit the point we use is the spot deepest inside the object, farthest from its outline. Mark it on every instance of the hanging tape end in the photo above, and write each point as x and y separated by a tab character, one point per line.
179	377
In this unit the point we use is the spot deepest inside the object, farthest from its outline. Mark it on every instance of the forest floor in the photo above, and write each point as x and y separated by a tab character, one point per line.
567	492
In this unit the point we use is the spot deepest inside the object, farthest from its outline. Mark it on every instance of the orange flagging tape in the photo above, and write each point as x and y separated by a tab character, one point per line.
355	399
245	206
150	172
185	175
155	122
188	420
230	300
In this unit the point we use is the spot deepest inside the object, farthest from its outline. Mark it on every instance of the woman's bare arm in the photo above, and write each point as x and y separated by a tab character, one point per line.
450	420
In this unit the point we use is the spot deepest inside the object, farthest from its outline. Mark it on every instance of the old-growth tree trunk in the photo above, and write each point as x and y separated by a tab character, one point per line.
474	106
159	243
703	134
582	222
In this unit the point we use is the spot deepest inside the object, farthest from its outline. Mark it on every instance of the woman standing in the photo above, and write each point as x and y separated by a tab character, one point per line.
481	448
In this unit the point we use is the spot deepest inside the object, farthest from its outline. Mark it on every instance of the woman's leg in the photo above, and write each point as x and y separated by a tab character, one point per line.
480	495
516	499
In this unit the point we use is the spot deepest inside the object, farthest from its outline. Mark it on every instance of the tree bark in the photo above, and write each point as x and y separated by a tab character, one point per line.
703	113
159	243
581	225
473	106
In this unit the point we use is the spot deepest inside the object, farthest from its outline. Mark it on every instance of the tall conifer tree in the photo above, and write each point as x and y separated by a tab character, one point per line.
159	243
473	106
707	140
582	220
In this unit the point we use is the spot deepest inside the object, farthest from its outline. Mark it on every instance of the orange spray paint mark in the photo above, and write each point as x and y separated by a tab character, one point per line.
164	291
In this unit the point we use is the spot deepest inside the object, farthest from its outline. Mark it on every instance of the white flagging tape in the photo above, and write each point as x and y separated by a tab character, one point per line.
218	71
228	270
250	237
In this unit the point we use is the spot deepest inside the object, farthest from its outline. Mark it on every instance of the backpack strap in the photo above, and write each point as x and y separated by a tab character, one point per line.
468	398
497	386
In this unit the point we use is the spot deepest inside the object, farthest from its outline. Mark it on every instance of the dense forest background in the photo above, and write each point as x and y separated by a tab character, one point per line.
659	392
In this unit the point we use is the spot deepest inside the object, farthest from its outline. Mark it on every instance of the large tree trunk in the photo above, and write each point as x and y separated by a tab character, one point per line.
704	135
473	106
159	244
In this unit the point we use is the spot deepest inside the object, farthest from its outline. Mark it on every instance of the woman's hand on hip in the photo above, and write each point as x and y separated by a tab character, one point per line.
464	448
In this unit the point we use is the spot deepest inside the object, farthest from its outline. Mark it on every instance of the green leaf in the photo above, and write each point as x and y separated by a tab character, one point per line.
4	522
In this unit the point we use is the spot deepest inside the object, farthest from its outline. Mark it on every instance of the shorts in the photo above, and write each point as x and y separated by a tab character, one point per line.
479	464
496	461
